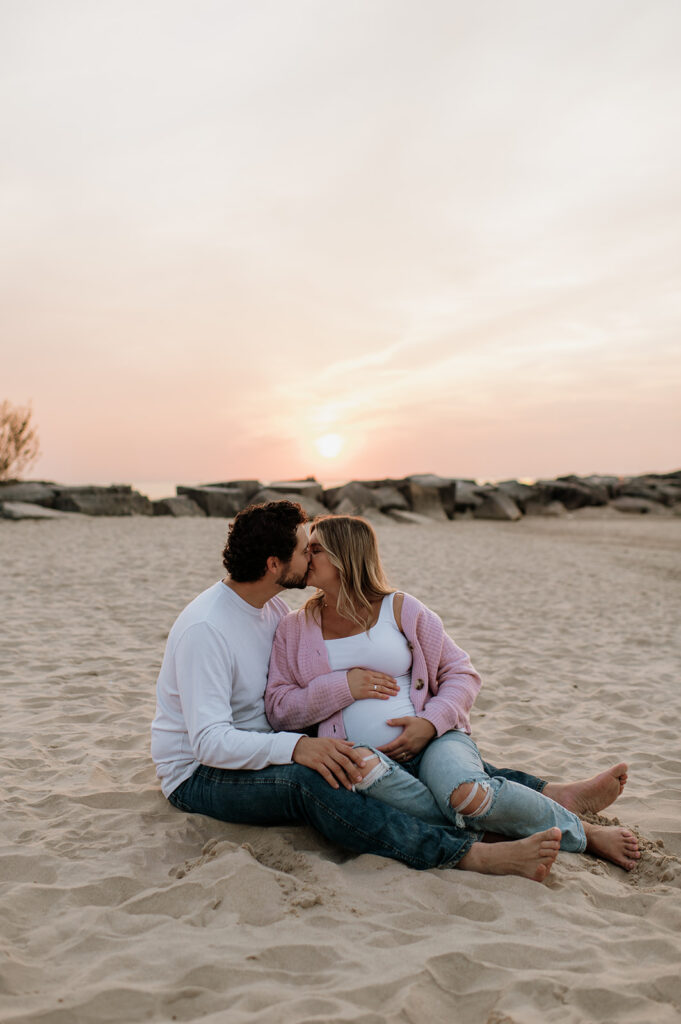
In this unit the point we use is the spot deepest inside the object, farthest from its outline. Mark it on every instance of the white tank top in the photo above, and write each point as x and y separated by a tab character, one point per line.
385	649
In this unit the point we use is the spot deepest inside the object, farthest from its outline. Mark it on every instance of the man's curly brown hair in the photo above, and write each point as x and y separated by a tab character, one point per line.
259	532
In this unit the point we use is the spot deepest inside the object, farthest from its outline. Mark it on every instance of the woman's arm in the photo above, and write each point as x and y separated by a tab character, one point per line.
289	697
453	683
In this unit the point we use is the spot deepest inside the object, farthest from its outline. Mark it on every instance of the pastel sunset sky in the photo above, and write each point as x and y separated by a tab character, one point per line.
344	237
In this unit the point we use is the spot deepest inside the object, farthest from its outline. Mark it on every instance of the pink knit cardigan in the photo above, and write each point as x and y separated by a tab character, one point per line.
302	690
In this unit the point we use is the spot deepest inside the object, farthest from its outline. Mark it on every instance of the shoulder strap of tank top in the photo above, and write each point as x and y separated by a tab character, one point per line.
397	600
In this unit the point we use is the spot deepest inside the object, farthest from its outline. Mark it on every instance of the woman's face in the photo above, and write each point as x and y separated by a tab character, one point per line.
322	573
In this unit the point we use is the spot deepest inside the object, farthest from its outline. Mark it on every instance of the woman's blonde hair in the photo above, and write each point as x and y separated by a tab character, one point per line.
352	546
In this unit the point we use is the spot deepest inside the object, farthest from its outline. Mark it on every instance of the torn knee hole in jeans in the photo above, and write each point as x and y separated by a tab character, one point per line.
474	801
378	771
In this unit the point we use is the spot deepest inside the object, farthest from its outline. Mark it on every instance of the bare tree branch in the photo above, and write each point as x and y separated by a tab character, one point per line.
19	445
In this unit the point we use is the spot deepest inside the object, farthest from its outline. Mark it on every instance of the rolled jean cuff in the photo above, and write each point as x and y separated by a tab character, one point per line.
467	844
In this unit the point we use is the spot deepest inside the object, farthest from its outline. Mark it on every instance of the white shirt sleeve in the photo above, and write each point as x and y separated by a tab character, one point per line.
204	674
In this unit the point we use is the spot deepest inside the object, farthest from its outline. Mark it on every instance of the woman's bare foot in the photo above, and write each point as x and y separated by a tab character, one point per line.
590	795
532	857
616	844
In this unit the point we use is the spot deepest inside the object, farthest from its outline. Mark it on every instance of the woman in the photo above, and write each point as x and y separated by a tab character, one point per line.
410	700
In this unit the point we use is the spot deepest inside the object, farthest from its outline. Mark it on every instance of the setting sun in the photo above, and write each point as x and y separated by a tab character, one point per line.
329	446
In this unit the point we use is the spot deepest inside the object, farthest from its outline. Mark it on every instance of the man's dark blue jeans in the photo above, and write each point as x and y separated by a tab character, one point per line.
294	794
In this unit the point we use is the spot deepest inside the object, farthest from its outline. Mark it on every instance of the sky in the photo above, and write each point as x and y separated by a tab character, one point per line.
346	238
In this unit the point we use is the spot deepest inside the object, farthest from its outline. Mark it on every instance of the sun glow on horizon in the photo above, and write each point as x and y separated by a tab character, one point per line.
329	446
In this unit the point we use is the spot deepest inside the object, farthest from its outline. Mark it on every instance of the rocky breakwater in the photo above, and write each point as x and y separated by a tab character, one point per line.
421	498
39	499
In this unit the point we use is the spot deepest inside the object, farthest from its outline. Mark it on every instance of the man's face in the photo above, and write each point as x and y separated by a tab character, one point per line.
293	576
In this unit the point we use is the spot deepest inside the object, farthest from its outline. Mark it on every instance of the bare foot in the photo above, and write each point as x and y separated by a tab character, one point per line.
532	857
590	795
616	844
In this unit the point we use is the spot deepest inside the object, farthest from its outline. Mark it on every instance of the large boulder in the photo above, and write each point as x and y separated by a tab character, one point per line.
309	488
355	496
180	505
497	505
389	498
247	487
445	487
33	492
25	510
306	502
637	506
423	493
597	488
425	499
607	483
411	518
469	496
571	492
536	507
117	500
220	502
521	494
654	488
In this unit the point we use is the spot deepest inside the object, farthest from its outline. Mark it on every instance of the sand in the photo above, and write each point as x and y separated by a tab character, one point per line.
116	907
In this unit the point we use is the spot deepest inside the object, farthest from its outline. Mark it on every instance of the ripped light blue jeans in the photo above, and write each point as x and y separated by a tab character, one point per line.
423	786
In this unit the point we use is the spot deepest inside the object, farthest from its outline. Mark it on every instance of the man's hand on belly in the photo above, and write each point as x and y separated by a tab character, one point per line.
416	734
333	759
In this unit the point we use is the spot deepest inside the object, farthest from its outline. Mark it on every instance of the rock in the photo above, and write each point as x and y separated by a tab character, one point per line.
387	497
221	502
309	504
497	505
180	505
445	486
35	492
637	506
413	518
355	495
25	510
117	500
468	496
653	488
308	488
521	494
425	499
248	487
373	515
599	491
348	508
536	507
608	483
573	494
670	494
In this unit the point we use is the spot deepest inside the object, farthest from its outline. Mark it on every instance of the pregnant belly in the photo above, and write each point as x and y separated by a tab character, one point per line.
365	720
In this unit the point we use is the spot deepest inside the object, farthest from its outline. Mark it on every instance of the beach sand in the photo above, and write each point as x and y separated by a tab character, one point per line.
116	907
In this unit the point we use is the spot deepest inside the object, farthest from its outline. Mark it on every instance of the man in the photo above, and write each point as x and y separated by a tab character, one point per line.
216	753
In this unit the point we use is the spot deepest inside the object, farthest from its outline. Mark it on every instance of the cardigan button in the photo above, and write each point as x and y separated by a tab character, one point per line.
419	684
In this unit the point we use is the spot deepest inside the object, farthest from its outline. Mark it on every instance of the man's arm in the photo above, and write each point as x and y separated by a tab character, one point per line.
205	673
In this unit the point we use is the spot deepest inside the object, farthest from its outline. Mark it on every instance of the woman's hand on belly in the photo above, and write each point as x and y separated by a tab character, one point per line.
416	734
365	684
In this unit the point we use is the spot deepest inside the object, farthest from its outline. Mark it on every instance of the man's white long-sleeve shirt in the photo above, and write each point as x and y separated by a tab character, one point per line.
209	695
